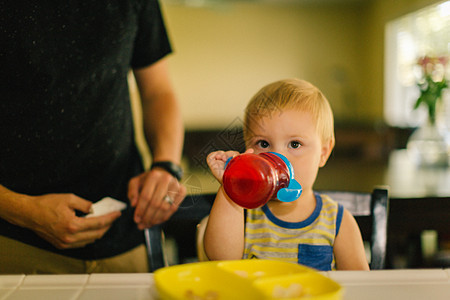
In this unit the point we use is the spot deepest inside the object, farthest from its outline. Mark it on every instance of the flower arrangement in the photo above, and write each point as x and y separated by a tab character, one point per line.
431	83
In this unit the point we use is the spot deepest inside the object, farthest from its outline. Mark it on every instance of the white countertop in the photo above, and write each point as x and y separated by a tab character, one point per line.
359	285
394	284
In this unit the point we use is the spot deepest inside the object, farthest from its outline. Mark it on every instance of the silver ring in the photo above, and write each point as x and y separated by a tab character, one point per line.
168	199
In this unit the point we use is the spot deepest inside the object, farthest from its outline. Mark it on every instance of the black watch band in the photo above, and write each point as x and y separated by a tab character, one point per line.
170	167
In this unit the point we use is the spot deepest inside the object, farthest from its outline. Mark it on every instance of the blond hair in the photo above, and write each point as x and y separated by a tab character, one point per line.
291	94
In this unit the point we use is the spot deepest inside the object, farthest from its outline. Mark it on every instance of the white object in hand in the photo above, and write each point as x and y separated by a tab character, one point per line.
106	206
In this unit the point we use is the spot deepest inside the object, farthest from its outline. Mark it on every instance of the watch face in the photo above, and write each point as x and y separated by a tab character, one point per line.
177	170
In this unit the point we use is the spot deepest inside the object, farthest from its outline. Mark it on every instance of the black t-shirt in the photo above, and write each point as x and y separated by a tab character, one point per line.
65	118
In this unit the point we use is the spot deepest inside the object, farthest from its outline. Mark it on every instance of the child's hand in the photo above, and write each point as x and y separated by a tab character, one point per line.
216	162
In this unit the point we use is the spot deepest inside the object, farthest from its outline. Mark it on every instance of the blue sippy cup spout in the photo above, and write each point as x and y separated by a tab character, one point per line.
294	189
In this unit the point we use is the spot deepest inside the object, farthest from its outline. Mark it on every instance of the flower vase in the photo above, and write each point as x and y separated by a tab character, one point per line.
427	147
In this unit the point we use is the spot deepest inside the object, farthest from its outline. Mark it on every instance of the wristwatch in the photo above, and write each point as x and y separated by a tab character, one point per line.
170	167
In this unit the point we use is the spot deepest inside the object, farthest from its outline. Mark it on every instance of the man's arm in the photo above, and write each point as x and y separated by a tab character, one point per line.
53	217
164	132
163	124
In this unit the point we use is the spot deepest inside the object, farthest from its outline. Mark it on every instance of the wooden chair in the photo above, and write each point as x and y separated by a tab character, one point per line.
369	209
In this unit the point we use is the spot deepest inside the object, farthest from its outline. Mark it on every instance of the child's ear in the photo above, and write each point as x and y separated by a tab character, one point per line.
327	147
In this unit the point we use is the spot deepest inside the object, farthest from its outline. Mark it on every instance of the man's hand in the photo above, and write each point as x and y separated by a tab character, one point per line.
147	191
54	219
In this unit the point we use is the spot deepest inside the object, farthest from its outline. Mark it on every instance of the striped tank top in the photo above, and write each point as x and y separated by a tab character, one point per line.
309	242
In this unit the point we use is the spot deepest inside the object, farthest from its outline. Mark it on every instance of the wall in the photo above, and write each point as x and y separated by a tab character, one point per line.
223	55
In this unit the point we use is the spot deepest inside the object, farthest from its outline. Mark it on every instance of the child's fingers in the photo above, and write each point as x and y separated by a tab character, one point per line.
229	154
220	157
213	156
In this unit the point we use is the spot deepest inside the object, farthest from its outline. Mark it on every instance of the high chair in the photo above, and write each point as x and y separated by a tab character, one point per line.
369	209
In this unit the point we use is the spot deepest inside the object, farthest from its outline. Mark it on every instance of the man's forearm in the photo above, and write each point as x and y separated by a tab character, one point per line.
164	129
163	125
13	206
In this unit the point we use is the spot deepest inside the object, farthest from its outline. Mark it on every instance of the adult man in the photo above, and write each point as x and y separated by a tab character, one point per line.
68	139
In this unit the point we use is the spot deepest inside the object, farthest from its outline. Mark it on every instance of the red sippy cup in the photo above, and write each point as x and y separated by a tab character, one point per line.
250	180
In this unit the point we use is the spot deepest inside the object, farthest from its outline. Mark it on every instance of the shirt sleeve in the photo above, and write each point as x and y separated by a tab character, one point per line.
340	213
152	42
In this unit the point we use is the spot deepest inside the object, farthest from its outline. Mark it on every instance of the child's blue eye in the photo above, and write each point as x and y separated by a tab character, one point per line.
262	144
294	144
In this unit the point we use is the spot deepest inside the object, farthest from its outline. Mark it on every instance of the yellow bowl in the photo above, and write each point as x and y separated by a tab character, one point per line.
202	281
244	279
259	268
300	286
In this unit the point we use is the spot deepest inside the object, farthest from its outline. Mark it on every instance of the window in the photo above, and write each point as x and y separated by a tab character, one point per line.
425	32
